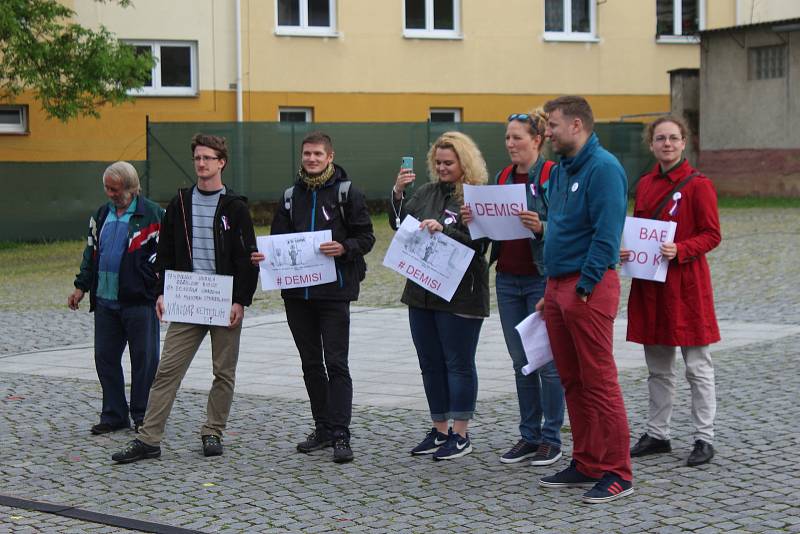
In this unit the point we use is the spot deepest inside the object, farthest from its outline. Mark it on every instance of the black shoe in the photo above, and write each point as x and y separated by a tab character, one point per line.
342	453
433	440
610	487
568	478
105	428
650	445
137	425
546	454
314	442
519	452
702	453
456	447
212	445
136	450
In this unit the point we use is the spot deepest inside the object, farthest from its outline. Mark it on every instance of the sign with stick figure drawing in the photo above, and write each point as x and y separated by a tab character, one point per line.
294	260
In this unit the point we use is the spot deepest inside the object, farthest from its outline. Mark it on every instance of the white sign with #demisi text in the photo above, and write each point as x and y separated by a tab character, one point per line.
495	211
432	260
197	298
644	237
294	260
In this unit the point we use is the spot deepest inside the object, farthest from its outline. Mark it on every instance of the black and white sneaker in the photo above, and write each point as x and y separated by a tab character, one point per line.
610	487
546	454
568	478
455	447
519	452
433	440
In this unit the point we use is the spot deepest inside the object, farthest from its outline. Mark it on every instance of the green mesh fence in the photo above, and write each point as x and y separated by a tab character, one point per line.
264	156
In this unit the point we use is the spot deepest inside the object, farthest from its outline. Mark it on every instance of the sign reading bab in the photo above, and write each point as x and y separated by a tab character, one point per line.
197	298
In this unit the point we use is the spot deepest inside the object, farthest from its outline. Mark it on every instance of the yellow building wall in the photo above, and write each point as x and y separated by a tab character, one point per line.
370	72
755	11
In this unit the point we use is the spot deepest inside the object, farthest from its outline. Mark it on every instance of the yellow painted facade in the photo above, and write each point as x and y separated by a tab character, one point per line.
369	71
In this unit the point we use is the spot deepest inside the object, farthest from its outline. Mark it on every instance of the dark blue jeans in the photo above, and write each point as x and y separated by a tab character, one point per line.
136	326
446	345
539	393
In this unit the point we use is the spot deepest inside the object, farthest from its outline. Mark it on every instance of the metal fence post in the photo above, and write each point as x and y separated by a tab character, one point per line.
147	156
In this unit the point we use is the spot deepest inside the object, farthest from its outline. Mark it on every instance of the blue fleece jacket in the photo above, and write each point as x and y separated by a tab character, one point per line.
588	201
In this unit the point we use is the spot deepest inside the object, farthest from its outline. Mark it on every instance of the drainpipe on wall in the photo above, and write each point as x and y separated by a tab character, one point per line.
240	163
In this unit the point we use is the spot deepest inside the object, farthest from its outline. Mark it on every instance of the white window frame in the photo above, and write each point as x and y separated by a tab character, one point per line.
429	32
455	111
155	75
309	113
303	29
568	34
16	129
677	17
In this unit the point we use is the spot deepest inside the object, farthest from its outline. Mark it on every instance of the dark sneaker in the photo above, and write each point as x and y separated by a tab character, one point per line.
136	450
519	452
314	442
610	487
455	447
212	445
137	425
546	454
650	445
342	453
568	478
702	453
433	440
105	428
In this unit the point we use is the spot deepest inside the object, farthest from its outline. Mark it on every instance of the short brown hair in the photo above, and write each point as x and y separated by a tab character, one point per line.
217	143
649	130
318	138
573	106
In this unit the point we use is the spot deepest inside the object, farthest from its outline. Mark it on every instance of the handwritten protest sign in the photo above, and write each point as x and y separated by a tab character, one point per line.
197	298
434	261
495	211
294	260
644	237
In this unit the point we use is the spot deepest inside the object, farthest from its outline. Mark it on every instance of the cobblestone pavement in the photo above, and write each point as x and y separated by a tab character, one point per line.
262	485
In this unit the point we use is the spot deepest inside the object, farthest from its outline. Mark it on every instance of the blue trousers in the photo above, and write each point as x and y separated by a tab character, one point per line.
137	326
446	345
540	393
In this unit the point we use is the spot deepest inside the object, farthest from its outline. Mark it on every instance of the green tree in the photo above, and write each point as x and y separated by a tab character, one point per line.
71	69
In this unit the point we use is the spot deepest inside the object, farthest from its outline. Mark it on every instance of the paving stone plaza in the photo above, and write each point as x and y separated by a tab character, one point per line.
50	397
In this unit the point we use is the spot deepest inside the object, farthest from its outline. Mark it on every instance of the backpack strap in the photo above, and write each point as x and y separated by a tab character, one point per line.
502	178
546	168
287	201
344	194
680	185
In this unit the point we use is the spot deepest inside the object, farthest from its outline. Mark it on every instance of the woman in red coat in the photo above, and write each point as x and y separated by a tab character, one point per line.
680	311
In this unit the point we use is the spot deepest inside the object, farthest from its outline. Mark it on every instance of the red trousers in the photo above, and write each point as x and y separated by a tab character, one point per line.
582	337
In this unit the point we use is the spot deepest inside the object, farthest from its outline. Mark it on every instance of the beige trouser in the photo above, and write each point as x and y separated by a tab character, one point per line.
180	346
661	383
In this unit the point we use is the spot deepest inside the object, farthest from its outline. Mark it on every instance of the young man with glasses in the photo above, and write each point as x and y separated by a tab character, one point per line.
207	229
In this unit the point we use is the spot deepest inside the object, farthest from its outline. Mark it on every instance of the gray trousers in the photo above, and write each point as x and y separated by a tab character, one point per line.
180	346
661	384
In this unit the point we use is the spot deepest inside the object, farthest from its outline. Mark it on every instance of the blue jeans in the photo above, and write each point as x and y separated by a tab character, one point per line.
446	345
540	393
136	326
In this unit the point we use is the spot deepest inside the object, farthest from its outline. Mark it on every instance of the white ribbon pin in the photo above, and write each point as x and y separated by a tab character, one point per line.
574	187
675	198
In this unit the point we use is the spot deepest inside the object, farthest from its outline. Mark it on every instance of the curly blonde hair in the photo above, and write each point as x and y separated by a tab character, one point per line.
469	157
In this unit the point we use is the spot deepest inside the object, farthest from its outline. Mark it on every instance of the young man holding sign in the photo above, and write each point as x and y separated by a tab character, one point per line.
207	229
323	198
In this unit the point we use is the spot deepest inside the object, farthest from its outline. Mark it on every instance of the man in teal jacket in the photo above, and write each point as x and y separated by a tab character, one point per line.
588	200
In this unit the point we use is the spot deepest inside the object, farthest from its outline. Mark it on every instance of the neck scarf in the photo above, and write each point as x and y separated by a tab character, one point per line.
315	182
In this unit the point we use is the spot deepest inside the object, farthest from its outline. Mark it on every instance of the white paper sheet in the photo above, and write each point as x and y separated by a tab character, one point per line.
434	261
644	237
495	211
197	298
533	333
294	260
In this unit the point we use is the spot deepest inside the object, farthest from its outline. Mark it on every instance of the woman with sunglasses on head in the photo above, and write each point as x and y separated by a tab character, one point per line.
520	283
680	311
446	333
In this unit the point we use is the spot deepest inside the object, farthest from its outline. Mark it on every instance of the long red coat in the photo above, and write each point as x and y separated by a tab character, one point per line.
680	311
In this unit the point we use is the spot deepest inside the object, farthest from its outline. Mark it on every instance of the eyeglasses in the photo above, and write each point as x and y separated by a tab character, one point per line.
663	139
523	117
198	159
